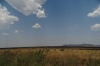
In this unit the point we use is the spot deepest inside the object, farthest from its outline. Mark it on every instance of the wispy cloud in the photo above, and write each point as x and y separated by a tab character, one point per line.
76	25
95	13
16	31
5	34
28	7
22	30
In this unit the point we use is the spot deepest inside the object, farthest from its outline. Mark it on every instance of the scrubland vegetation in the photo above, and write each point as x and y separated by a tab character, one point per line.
49	57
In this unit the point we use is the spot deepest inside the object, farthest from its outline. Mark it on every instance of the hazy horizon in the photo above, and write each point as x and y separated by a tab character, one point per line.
49	22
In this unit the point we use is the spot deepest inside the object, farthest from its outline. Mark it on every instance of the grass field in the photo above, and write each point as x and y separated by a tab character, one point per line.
50	57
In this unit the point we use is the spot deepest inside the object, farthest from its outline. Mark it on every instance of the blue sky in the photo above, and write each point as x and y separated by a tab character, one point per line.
49	22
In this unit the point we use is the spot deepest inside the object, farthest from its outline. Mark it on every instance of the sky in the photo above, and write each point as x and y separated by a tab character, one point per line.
25	23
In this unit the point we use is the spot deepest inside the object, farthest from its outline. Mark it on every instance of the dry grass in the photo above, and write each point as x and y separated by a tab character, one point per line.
57	52
60	56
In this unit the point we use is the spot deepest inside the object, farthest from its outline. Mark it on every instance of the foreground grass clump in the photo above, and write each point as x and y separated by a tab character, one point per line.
8	58
50	57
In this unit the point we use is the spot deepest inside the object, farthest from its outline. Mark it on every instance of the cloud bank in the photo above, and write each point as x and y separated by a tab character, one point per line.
28	7
6	19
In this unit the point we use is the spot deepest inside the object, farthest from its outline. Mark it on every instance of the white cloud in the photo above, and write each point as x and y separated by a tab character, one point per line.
95	27
5	34
95	13
36	26
16	31
41	14
28	7
6	18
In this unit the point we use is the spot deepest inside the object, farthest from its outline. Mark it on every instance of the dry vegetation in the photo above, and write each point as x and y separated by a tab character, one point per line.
49	57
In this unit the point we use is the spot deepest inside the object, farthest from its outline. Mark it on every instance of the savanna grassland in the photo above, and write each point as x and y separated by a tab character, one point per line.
50	57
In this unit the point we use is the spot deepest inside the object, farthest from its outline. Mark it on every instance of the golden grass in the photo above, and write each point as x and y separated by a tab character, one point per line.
56	52
76	52
51	56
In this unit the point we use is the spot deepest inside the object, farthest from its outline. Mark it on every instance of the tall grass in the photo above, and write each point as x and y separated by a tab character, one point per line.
41	58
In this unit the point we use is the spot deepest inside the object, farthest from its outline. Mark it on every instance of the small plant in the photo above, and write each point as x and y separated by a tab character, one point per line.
46	50
54	49
93	62
61	49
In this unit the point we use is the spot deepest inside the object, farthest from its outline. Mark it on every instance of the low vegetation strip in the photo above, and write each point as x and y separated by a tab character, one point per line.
49	57
34	47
